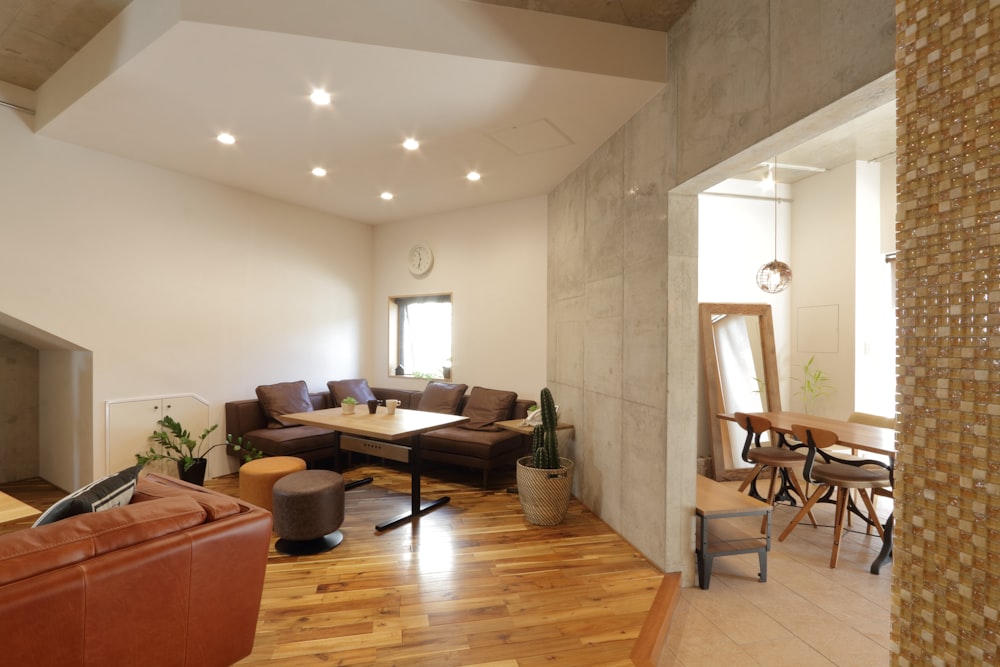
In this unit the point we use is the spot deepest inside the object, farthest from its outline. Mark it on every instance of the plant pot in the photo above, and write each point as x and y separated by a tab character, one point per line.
195	474
347	408
544	492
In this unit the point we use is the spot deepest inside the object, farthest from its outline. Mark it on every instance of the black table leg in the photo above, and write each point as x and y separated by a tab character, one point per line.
416	508
886	552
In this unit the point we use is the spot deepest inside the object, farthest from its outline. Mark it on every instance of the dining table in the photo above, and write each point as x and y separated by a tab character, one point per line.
402	429
861	437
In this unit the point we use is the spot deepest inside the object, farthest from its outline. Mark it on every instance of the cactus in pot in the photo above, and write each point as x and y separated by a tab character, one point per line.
544	441
544	480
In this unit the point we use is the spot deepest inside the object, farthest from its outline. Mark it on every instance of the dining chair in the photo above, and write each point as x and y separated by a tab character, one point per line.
779	459
881	422
843	476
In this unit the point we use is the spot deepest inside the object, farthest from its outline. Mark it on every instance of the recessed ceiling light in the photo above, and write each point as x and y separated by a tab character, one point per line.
411	144
319	171
386	196
226	138
473	176
320	97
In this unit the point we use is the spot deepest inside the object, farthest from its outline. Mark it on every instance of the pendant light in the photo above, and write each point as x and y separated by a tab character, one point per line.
774	276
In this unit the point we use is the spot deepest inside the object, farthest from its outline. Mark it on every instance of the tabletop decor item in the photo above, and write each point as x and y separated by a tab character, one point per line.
545	479
347	405
176	444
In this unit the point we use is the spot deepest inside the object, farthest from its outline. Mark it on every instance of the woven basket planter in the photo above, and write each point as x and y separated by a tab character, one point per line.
544	493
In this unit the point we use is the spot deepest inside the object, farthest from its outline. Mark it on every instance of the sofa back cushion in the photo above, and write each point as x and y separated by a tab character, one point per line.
442	397
357	388
484	407
27	553
281	399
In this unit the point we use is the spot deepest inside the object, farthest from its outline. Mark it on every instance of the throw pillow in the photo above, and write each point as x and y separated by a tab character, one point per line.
442	397
486	406
282	399
341	389
112	491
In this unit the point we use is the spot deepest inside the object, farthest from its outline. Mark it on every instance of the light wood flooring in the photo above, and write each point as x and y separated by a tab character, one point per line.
473	584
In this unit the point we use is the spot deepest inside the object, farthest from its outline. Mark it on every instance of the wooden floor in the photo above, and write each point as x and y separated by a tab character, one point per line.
471	583
474	584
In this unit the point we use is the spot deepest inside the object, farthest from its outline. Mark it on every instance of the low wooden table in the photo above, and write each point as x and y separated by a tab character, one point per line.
717	501
403	425
12	509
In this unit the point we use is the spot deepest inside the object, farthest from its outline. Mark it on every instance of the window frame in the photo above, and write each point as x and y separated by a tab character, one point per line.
396	335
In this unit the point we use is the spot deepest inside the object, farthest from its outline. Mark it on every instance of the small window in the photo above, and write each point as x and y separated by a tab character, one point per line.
420	336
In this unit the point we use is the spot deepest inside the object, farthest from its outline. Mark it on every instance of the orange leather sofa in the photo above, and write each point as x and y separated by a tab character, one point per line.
173	578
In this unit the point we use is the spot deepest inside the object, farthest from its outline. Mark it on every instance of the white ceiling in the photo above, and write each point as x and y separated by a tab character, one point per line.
522	97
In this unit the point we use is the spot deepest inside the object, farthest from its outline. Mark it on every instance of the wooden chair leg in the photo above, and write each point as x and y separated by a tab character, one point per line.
798	489
843	494
871	514
820	490
751	477
771	489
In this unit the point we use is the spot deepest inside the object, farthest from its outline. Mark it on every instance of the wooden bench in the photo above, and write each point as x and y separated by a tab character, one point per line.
721	538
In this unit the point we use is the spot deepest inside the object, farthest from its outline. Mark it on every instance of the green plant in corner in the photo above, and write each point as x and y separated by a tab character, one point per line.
815	385
544	440
176	444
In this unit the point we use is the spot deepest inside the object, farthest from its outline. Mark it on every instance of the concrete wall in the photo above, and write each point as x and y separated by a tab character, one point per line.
19	382
623	250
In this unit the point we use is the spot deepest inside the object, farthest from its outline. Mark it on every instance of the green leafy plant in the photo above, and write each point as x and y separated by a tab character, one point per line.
544	440
815	384
175	443
349	400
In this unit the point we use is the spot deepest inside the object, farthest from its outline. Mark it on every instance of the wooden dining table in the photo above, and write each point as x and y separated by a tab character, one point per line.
403	428
862	437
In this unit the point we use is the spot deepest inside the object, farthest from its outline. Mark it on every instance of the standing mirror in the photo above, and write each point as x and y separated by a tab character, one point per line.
741	375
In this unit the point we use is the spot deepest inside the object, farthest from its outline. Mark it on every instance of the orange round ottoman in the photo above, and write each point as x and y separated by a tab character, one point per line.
257	477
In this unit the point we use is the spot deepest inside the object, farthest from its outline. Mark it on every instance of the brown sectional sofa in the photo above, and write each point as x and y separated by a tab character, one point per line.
173	578
483	450
314	445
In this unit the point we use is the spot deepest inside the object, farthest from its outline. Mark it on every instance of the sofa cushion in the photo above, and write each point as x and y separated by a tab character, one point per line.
216	505
281	399
484	407
458	442
357	388
442	397
293	441
27	553
103	494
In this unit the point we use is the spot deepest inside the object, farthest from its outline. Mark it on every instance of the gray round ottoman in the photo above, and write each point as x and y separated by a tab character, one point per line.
308	511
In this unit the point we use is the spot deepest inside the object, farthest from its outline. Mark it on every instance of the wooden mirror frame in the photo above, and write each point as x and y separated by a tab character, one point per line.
772	389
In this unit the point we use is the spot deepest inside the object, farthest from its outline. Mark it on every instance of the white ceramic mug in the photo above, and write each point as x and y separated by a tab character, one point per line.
390	406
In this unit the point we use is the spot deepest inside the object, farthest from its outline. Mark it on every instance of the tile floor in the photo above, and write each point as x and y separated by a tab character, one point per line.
805	614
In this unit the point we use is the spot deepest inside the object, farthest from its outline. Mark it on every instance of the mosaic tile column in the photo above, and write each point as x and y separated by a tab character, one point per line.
946	593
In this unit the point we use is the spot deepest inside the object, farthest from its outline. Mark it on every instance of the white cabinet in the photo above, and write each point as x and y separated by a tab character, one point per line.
130	422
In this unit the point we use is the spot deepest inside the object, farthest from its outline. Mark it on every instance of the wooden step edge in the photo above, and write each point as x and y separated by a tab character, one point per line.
649	643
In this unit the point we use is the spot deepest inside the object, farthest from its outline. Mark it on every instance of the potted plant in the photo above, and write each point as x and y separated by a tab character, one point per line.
347	405
544	479
815	385
176	444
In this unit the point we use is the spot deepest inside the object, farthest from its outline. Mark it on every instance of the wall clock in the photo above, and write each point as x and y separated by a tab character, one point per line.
420	259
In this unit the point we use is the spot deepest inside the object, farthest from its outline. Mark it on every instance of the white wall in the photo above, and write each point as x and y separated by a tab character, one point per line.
493	261
736	236
174	283
822	290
